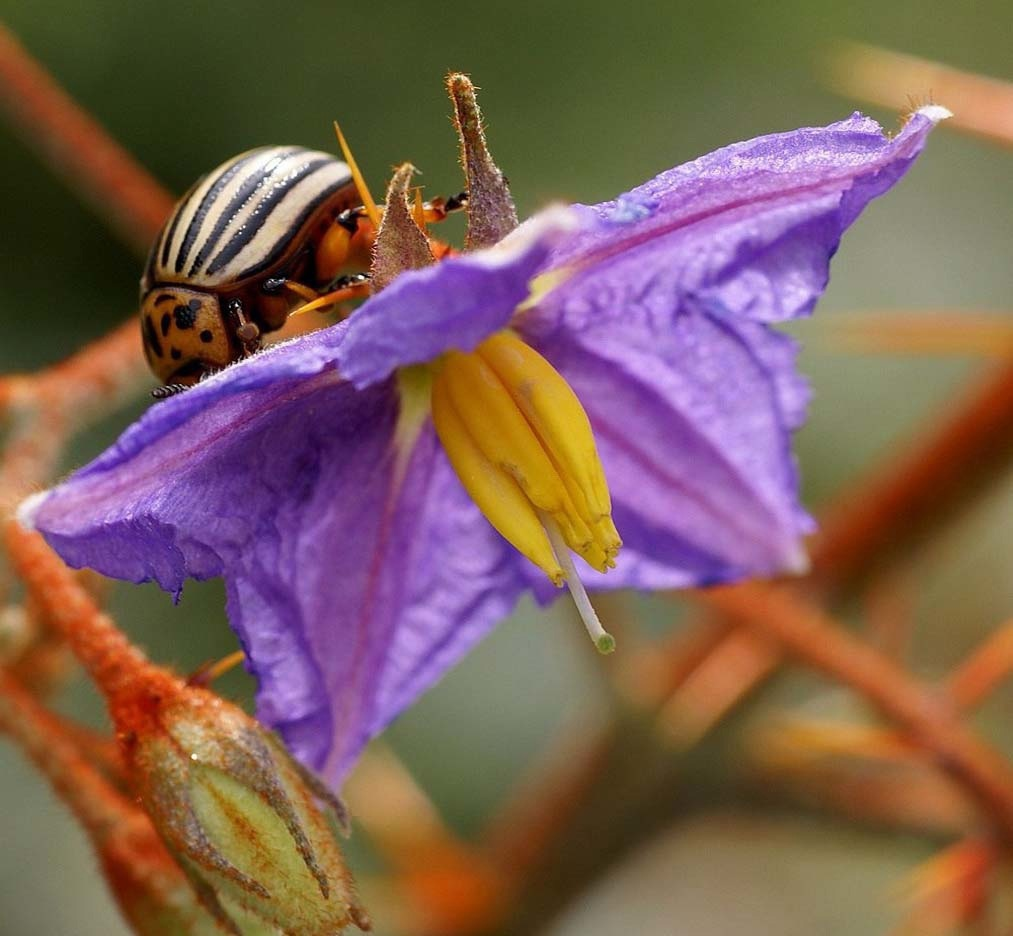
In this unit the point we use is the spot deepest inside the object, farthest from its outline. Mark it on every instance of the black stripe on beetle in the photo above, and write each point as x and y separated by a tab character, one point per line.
251	184
243	230
208	201
151	336
173	223
278	248
259	216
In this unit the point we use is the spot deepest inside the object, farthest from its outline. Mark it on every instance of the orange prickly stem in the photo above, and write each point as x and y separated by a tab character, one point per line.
44	739
78	148
136	691
118	668
243	819
149	886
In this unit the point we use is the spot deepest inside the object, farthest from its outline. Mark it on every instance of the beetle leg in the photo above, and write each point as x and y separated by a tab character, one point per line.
300	289
349	218
273	284
347	281
435	211
246	331
439	208
347	242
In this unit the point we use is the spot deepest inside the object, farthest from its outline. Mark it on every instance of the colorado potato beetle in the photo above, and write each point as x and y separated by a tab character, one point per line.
264	232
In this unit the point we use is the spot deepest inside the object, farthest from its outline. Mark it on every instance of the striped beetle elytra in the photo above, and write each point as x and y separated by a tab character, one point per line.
266	231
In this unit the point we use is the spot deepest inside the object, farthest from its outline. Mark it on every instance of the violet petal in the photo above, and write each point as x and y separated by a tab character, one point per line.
455	304
357	572
752	225
693	419
661	328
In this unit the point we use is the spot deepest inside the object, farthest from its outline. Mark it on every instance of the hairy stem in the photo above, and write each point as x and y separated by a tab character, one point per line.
77	148
44	740
111	660
813	638
914	493
45	409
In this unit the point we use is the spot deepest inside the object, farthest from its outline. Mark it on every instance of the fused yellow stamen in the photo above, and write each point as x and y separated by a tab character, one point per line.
554	412
522	446
500	431
360	183
497	494
521	442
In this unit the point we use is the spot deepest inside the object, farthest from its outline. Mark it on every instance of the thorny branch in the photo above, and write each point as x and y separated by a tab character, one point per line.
899	505
76	147
44	410
621	765
927	716
982	106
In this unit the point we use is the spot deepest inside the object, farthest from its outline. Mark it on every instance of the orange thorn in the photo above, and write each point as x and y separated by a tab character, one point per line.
209	672
981	105
332	298
419	212
360	182
950	332
304	292
983	671
951	890
736	666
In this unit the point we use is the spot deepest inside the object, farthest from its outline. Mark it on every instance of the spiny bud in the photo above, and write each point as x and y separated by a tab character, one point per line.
241	817
491	211
400	243
148	885
152	893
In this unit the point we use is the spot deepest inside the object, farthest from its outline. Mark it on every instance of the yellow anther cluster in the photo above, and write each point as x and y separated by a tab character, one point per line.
522	445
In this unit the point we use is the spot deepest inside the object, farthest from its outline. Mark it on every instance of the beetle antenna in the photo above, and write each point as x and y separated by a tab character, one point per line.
168	390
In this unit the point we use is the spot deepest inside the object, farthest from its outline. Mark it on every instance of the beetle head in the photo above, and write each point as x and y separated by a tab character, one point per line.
185	334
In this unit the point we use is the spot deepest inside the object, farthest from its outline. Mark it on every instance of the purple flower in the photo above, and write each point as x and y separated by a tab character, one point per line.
310	476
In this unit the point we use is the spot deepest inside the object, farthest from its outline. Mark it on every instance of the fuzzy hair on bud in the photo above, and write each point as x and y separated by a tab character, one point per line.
400	243
242	818
491	211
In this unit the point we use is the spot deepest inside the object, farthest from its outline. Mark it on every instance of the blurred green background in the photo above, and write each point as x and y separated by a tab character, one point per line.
583	101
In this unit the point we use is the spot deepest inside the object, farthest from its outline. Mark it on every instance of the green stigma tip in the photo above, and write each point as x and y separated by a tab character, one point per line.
606	643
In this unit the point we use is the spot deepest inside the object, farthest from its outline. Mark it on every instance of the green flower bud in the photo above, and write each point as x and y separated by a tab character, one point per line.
253	830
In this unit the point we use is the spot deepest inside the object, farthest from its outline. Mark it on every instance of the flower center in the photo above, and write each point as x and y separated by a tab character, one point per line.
521	443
